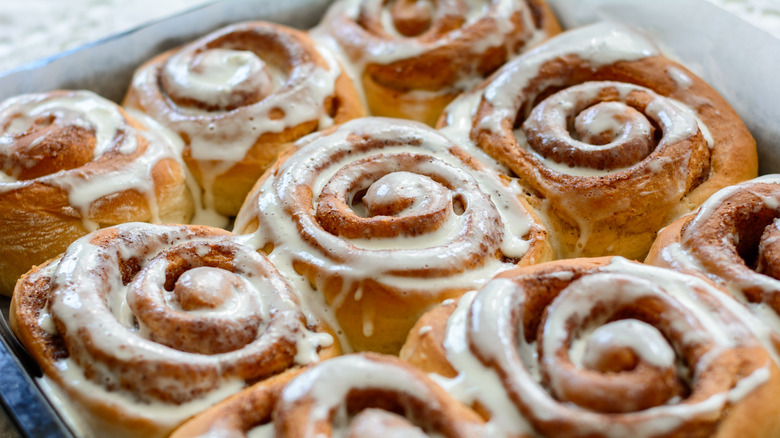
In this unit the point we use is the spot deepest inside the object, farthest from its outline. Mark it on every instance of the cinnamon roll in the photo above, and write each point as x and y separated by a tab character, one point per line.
237	97
387	218
359	395
413	57
141	326
612	139
73	162
732	240
603	347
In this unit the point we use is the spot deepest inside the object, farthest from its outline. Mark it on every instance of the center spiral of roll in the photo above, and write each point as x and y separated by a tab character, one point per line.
217	79
603	125
198	301
374	198
627	363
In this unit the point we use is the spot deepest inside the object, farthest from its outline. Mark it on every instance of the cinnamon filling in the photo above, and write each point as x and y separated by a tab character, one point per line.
377	199
598	125
737	241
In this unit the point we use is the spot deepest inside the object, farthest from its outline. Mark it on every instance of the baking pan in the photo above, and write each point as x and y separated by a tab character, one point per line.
736	58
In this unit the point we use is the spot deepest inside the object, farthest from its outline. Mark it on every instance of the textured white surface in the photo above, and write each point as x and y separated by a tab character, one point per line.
35	29
764	14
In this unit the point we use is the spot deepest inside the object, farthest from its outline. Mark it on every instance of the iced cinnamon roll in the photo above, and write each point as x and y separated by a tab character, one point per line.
387	218
612	139
361	395
239	96
72	162
732	239
603	347
413	57
138	327
248	413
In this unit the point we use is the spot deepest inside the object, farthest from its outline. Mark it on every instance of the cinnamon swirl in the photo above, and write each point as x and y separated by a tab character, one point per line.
612	139
142	326
387	218
240	95
604	347
413	57
73	162
732	240
360	395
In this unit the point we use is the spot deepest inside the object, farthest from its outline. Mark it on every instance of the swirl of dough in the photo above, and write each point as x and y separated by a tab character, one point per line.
732	239
613	140
414	56
148	323
387	214
239	96
71	162
614	125
360	395
603	347
370	395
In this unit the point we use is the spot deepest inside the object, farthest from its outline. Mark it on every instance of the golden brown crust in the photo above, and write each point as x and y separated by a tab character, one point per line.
286	58
46	207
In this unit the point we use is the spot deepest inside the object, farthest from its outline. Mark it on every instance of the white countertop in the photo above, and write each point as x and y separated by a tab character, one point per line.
36	29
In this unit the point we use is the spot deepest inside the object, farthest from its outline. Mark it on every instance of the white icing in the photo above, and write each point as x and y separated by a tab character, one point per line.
679	77
458	118
475	381
677	122
300	98
218	77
